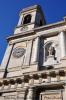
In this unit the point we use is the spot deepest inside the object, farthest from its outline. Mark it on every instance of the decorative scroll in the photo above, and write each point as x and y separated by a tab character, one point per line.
24	28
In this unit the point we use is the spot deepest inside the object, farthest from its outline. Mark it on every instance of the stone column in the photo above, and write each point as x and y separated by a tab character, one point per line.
40	78
58	76
16	84
30	94
32	79
9	86
23	83
64	93
49	78
62	43
31	82
36	50
2	87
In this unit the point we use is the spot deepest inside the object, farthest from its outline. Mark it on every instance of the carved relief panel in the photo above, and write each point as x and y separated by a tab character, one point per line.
19	54
12	96
51	96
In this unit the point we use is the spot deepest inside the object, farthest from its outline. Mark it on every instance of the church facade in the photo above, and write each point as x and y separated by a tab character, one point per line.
34	64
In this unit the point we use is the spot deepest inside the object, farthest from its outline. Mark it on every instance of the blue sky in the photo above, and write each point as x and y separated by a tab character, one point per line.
54	10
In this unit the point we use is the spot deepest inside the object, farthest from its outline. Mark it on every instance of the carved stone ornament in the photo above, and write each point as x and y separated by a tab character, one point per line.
18	52
51	50
24	28
52	96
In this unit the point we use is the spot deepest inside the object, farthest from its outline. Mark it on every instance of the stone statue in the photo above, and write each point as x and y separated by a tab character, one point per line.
51	51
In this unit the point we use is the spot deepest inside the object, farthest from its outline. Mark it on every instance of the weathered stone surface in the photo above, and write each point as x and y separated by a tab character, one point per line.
34	64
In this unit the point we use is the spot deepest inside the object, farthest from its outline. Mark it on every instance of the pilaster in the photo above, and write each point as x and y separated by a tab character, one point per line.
36	50
62	44
64	92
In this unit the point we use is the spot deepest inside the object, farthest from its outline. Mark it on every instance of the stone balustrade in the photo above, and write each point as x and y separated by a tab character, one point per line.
40	76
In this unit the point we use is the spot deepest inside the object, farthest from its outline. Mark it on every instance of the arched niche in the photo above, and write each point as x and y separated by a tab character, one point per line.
47	46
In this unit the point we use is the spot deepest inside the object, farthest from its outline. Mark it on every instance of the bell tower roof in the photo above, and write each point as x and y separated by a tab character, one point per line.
38	7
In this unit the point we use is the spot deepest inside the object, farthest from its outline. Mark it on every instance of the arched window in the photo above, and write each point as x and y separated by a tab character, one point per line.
27	19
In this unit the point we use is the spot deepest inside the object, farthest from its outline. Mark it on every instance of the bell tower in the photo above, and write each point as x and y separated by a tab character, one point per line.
21	55
30	18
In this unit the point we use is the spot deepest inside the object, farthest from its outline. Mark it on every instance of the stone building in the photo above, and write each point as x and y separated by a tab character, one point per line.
34	64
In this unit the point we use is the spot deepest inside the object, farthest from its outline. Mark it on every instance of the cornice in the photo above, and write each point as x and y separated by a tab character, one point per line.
19	35
39	29
30	8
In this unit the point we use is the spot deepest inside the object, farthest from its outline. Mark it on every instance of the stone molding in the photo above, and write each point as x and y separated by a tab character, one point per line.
29	76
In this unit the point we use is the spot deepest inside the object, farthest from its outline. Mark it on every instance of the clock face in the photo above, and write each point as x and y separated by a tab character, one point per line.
18	52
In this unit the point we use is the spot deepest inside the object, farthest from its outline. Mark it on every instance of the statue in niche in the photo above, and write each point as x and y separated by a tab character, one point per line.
52	51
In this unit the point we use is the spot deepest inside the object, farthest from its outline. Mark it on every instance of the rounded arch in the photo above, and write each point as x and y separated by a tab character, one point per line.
55	43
